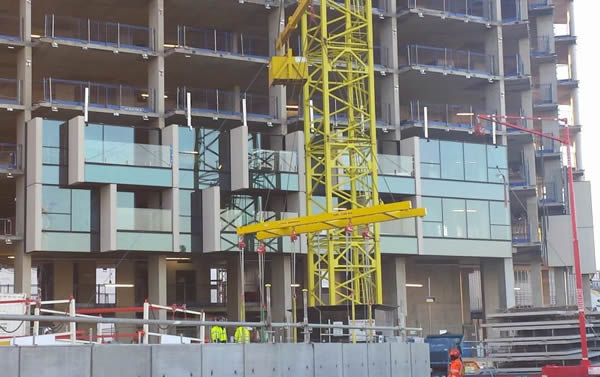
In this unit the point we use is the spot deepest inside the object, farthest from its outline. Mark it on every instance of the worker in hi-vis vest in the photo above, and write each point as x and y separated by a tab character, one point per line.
456	367
242	335
218	334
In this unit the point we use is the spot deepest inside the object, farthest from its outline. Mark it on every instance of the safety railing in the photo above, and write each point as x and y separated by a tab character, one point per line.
381	56
447	58
511	11
383	112
389	164
519	174
10	91
104	96
273	161
129	154
535	4
381	5
222	41
10	27
7	226
399	227
217	101
521	232
111	34
144	219
11	156
542	46
468	8
446	115
513	65
551	192
105	295
543	95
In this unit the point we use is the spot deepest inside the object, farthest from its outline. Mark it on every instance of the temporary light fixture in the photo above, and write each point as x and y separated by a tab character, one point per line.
188	109
413	285
465	114
244	113
86	103
425	123
295	285
8	241
9	175
11	257
517	288
114	285
178	258
339	209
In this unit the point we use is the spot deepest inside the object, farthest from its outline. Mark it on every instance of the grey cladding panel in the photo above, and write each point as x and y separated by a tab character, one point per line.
9	357
121	360
419	353
55	361
355	360
177	360
222	360
328	359
262	360
400	359
379	359
296	360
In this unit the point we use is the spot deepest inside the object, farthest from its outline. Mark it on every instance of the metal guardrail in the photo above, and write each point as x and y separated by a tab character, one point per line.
222	41
217	101
513	65
448	115
542	46
470	8
460	60
11	156
10	27
105	96
111	34
11	91
7	226
543	95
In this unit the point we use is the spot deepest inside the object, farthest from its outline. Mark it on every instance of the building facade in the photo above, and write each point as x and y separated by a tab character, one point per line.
133	196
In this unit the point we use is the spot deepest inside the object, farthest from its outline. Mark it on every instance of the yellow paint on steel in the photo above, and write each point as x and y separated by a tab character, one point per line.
292	24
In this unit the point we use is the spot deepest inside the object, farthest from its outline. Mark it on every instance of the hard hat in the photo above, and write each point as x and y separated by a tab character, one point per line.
454	352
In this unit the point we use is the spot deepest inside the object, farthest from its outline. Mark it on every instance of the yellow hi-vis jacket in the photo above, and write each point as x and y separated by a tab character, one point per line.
242	335
218	334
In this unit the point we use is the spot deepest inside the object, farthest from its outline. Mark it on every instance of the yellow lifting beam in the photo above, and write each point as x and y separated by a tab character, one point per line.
327	221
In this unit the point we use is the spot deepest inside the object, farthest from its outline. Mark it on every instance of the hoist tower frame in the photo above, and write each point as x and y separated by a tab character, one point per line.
341	149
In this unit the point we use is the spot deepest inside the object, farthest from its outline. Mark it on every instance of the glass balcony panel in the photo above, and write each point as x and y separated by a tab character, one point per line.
261	105
395	165
543	94
513	66
7	226
521	231
10	91
144	219
118	153
541	46
446	58
231	219
273	161
399	227
223	41
10	156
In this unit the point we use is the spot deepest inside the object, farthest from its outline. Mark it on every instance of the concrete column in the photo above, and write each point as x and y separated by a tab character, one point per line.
236	47
525	55
277	107
33	187
465	297
412	147
157	282
108	217
237	99
281	296
234	289
156	67
202	268
22	271
240	176
394	290
560	284
587	291
125	296
537	290
86	282
76	159
63	279
497	280
494	96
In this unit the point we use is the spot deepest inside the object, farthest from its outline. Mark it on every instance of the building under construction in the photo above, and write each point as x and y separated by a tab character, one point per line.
138	136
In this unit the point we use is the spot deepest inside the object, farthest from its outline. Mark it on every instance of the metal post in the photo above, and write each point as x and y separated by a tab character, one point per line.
118	35
269	317
189	109
243	287
305	319
215	38
99	332
36	324
90	335
86	103
425	123
88	31
145	327
244	112
53	26
72	325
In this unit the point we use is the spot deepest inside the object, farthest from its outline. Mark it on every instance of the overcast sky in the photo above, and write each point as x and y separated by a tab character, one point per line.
588	72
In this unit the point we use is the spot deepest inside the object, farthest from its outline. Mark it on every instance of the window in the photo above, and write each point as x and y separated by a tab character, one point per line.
478	219
522	286
106	295
500	221
218	285
497	164
432	222
430	158
185	286
475	296
475	162
452	160
455	224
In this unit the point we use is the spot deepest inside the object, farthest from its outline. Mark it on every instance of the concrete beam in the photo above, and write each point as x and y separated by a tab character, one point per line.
240	175
211	219
76	155
108	217
157	282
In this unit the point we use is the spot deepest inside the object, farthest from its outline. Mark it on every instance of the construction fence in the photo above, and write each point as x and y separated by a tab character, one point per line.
219	360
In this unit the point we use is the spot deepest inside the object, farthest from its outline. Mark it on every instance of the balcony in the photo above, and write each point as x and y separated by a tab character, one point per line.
10	28
511	11
519	175
128	154
102	97
562	34
381	58
551	193
273	169
10	92
147	229
7	227
223	103
543	95
521	233
476	9
446	59
540	5
443	116
513	66
221	42
542	47
111	35
10	157
394	165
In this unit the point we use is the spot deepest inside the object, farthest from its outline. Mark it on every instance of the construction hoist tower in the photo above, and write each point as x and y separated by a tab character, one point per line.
340	143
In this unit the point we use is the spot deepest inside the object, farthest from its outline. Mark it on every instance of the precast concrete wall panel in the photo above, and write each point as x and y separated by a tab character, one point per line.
121	360
222	360
419	356
400	359
296	360
355	360
176	360
58	361
9	358
262	360
328	361
378	356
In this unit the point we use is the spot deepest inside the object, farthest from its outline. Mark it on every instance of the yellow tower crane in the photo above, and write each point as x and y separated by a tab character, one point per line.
336	71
